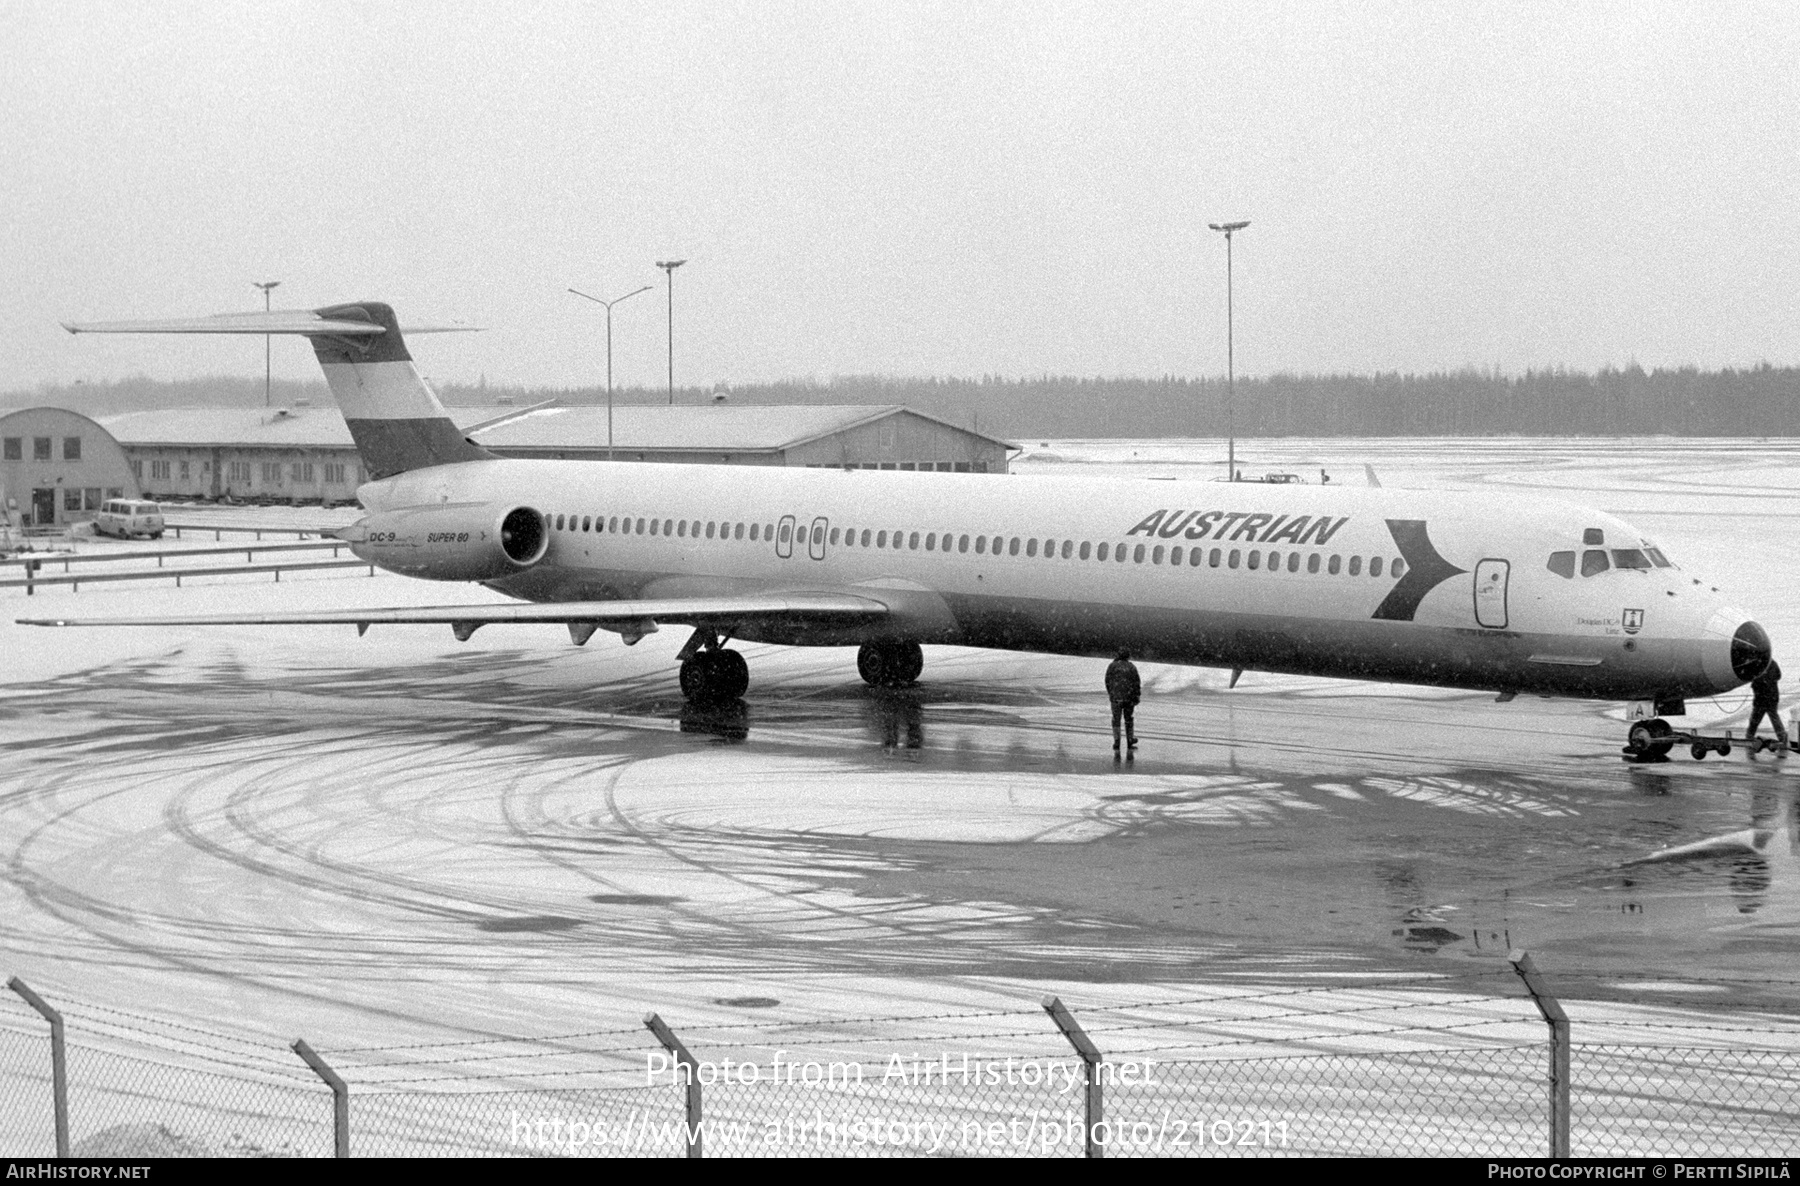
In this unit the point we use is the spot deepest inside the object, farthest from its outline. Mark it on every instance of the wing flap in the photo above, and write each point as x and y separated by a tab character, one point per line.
839	608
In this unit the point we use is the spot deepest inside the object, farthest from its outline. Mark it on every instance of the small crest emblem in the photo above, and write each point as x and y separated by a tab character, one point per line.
1632	620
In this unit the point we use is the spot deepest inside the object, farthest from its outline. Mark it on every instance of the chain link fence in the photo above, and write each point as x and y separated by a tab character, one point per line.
27	1111
1667	1101
1483	1101
1375	1070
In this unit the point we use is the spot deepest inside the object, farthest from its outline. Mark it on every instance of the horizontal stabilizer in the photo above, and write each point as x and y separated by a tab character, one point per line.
303	322
839	608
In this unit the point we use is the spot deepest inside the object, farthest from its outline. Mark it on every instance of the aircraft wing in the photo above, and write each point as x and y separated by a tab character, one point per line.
636	617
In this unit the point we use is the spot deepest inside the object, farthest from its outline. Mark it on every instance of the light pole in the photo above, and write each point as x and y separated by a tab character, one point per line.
1230	376
609	305
265	285
669	266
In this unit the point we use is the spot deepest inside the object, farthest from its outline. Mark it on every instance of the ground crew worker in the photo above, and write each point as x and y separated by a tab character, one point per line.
1765	700
1124	689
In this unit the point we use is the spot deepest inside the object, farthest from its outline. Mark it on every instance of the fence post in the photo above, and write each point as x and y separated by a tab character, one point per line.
1091	1059
340	1095
1558	1021
673	1045
31	567
59	1062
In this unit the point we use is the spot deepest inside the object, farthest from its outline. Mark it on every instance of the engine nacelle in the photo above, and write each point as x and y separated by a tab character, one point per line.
452	542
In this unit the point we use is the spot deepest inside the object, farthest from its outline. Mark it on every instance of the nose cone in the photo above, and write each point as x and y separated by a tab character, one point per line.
1734	650
1750	651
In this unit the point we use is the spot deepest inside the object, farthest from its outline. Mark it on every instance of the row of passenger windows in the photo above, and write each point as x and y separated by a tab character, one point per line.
1595	561
982	545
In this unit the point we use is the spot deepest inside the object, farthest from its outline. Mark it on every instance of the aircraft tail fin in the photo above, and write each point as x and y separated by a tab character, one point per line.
393	415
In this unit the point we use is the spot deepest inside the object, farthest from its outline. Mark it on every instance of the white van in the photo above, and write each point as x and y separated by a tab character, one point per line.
126	518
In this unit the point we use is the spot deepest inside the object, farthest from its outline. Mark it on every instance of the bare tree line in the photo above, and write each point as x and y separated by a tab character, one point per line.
1758	401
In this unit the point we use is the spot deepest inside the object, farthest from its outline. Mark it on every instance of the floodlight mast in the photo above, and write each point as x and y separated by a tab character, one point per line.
609	397
1230	376
265	285
668	266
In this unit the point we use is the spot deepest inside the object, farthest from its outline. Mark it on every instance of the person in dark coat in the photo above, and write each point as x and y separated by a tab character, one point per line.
1765	700
1124	689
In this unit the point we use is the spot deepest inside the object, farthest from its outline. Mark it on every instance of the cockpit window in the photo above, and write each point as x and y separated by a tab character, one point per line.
1562	564
1593	561
1630	558
1657	558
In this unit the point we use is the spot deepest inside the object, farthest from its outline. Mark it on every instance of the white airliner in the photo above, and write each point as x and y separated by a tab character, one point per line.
1474	591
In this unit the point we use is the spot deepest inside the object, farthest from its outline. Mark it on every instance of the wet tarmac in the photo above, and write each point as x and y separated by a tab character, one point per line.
434	830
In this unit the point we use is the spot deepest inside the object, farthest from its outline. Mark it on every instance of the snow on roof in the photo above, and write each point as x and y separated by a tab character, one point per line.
742	428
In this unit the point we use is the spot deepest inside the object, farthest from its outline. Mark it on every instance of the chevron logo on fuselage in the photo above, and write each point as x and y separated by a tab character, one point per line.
1425	571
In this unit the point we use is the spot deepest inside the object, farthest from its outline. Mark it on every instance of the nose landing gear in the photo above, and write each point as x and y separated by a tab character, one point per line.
889	663
1651	741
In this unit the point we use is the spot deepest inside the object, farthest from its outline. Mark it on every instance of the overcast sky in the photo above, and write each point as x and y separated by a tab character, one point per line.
951	189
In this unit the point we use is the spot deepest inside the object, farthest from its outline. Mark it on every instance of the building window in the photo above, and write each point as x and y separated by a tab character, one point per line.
90	498
334	473
71	448
72	498
40	448
115	492
184	471
238	471
15	449
303	472
271	473
159	471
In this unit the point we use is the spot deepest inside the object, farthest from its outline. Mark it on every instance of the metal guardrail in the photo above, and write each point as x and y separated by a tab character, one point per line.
30	582
259	532
44	559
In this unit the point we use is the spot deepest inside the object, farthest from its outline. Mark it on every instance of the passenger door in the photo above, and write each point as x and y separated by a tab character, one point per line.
1490	593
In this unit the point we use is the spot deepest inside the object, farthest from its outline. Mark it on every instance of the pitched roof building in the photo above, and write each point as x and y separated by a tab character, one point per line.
304	453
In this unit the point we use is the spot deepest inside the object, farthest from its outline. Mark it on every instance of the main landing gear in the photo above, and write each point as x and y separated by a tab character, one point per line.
890	663
714	676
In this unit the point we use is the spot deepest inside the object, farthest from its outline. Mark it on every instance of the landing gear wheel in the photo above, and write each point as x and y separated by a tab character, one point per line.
1649	741
889	663
715	676
733	673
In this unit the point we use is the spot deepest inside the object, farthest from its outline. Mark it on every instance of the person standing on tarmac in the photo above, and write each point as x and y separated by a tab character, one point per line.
1765	700
1124	689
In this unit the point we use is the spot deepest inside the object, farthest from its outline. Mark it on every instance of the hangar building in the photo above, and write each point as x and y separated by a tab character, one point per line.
885	436
57	466
305	453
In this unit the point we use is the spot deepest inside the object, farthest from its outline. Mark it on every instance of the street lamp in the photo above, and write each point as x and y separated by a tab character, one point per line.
669	266
609	401
1230	377
265	285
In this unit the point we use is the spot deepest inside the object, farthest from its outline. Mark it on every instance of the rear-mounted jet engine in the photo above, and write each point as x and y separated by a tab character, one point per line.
455	542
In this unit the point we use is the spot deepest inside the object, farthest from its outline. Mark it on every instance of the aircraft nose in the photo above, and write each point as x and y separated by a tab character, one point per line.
1734	649
1750	651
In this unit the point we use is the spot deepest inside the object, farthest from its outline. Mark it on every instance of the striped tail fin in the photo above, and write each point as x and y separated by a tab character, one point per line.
393	415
